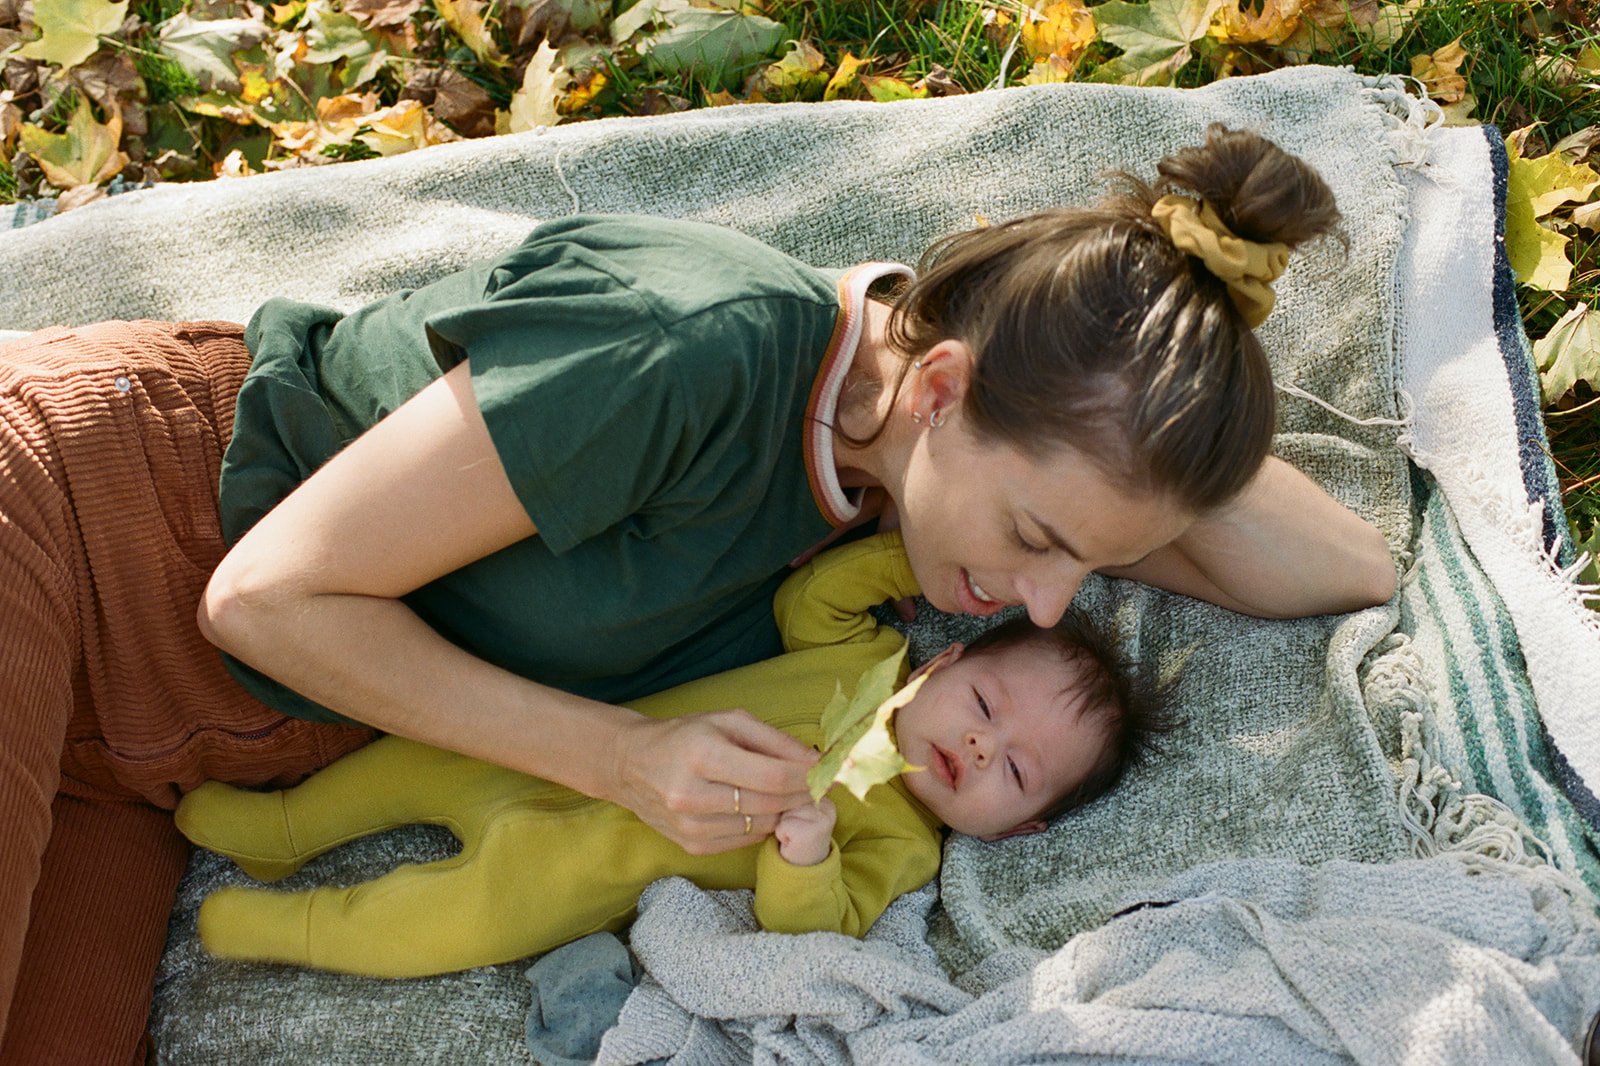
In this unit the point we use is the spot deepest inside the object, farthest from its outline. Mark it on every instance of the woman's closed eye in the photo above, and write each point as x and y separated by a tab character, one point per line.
1027	545
983	705
1016	773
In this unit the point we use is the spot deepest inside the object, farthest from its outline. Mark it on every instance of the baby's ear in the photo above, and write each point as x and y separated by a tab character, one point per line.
939	662
1021	829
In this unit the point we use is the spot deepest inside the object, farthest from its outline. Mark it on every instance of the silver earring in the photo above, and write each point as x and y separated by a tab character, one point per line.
935	418
917	365
916	416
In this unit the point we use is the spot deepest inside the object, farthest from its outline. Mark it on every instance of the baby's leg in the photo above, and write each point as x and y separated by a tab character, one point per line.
492	903
390	782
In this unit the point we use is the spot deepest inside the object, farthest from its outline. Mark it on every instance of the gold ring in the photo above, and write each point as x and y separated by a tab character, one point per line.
747	825
736	809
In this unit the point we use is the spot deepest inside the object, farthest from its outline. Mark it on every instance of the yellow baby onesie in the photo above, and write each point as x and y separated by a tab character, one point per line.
540	864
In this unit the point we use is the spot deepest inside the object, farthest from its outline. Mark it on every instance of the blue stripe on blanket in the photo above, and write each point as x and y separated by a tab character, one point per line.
1533	448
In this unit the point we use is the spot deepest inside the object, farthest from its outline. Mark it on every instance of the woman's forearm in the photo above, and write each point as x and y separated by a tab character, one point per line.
374	660
1283	549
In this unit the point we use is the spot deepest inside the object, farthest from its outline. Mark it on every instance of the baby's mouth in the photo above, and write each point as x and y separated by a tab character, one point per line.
950	767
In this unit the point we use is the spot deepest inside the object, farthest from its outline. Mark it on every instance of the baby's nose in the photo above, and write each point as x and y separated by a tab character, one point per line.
978	749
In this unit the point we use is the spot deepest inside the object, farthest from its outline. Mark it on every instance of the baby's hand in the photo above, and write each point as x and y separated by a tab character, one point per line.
805	833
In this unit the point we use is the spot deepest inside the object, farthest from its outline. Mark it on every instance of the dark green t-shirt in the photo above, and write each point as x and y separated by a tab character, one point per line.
645	382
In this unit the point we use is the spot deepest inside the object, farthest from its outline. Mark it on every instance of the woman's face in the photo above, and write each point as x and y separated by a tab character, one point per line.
987	526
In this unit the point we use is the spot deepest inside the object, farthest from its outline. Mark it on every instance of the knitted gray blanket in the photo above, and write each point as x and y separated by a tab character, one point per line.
1340	770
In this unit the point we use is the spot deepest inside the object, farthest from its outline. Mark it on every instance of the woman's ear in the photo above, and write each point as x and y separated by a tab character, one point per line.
941	378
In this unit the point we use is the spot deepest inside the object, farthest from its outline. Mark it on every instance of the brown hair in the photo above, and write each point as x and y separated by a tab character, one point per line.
1131	728
1092	330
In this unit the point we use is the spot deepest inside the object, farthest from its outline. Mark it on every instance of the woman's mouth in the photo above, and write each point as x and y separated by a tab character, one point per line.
973	599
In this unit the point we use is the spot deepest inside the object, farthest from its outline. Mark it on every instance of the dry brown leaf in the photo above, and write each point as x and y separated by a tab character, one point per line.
1588	216
1065	28
381	14
454	99
938	82
1439	72
1577	147
74	198
10	120
112	81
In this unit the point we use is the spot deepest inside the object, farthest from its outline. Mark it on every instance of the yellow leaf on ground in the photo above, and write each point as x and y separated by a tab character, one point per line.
801	74
1065	29
1588	216
1460	112
1569	353
1276	22
1390	23
1537	254
535	104
85	153
401	127
1550	181
72	29
1439	72
466	18
1050	70
846	82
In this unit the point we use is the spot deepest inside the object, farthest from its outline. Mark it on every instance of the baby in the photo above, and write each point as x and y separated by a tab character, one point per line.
1017	727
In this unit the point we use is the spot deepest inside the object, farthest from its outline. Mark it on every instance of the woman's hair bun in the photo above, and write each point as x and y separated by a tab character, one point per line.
1261	192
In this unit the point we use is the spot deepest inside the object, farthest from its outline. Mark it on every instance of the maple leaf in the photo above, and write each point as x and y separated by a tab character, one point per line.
1439	72
1064	29
1050	70
857	749
886	90
1551	181
206	49
534	104
714	46
1576	147
84	154
1569	353
72	29
465	17
401	127
1155	38
1587	216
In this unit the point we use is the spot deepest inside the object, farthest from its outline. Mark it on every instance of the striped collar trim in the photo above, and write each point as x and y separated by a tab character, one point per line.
837	506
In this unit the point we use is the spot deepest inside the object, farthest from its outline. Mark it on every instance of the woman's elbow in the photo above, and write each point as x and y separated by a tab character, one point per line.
231	608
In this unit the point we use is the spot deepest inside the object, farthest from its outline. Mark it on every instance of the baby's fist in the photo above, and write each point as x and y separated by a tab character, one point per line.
805	833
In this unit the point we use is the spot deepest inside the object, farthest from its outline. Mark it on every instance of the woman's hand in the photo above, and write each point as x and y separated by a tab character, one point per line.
805	833
710	782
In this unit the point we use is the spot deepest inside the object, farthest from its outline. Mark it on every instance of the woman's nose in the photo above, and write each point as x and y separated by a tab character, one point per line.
1047	594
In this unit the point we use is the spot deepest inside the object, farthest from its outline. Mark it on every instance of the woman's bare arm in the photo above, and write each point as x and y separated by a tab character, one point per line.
310	596
1283	549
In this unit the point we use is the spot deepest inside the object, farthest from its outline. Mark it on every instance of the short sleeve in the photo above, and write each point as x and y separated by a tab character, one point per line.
582	389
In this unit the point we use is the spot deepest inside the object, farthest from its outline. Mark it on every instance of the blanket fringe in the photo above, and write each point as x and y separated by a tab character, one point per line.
1409	115
1522	522
1439	816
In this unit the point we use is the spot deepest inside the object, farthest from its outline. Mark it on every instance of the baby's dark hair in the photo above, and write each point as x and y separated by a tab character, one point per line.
1092	330
1132	727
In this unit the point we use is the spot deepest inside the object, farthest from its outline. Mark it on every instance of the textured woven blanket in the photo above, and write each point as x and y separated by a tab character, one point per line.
1312	830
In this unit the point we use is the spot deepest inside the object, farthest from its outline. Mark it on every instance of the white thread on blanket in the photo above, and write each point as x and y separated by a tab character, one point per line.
1404	421
1437	813
562	178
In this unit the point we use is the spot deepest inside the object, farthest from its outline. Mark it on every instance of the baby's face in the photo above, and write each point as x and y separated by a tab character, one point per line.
1001	736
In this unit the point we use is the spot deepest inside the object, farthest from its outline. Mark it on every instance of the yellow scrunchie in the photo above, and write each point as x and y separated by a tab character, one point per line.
1246	267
